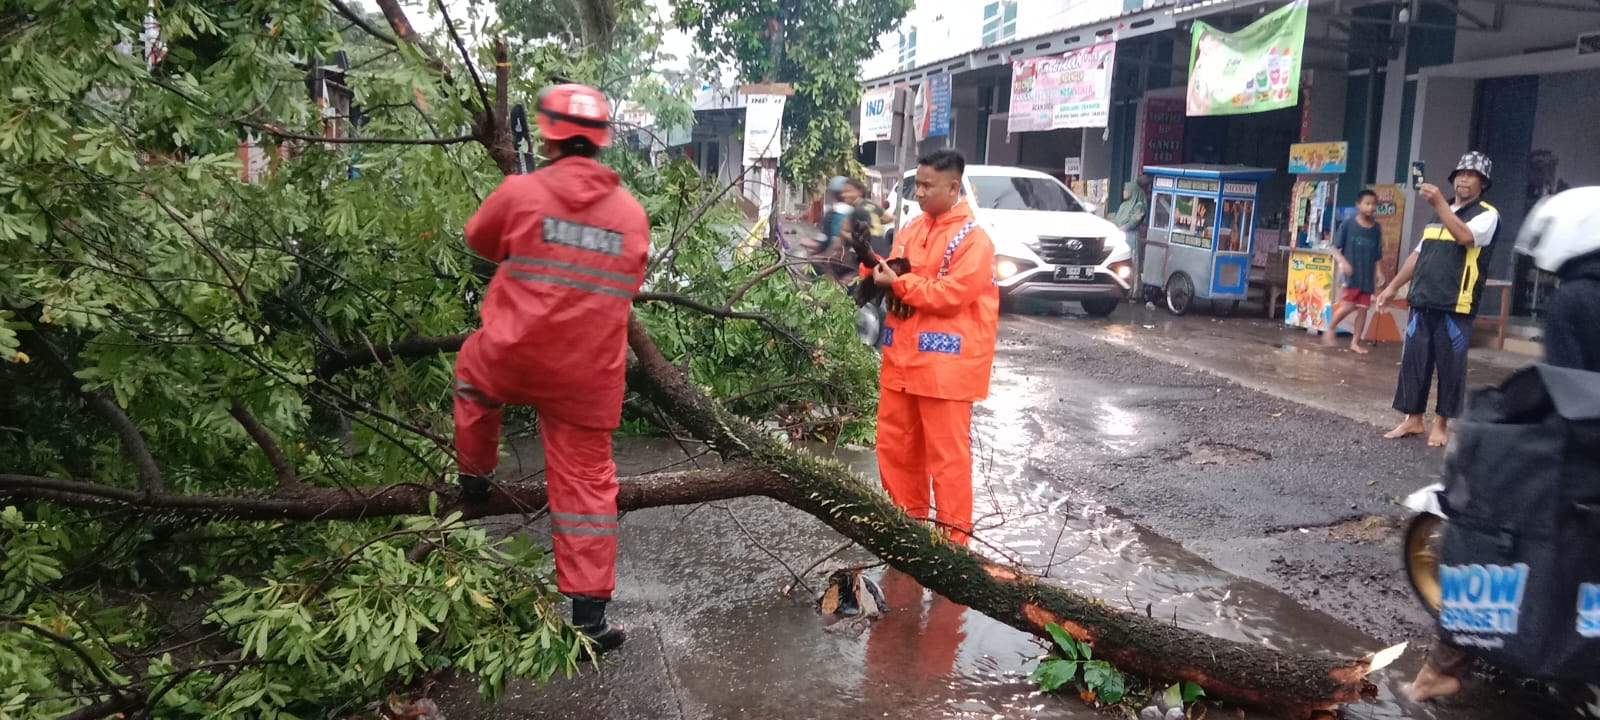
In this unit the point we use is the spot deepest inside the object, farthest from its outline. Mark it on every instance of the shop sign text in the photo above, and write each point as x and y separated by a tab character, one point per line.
1482	598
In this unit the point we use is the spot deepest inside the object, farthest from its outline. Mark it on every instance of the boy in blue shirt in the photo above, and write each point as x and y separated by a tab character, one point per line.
1357	249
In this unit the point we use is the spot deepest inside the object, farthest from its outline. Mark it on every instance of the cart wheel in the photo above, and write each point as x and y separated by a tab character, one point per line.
1180	293
1224	308
1423	537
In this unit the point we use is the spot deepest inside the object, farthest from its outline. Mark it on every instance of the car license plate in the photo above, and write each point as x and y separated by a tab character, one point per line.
1074	272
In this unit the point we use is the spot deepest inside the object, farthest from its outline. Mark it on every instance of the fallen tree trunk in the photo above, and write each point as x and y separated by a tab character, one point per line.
755	464
1292	685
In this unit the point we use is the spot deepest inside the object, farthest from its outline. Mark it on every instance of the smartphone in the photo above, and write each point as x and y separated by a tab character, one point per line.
1416	174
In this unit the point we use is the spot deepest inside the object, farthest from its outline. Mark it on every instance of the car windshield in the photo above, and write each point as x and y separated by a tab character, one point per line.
997	192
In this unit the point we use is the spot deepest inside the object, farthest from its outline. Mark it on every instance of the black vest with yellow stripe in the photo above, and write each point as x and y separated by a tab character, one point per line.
1449	275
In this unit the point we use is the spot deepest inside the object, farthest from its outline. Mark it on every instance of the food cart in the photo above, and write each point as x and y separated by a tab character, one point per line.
1202	228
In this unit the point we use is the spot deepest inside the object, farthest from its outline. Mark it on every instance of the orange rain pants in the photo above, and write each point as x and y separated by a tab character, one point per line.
582	482
925	458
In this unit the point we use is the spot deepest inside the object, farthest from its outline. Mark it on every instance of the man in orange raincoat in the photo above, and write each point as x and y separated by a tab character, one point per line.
571	245
938	348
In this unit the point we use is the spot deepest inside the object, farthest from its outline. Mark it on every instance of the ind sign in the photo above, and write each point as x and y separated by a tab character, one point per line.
877	115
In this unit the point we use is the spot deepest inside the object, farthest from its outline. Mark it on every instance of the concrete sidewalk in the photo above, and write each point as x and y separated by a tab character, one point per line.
1271	357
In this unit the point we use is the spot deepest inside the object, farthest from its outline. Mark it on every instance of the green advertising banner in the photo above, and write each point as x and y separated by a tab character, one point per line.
1253	70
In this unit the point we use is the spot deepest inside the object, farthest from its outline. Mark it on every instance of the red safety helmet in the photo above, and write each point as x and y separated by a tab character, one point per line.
572	110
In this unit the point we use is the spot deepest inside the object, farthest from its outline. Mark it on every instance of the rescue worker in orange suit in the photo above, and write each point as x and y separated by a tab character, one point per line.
938	348
571	245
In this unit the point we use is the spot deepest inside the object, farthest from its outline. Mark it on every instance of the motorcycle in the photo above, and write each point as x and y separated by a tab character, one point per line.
1423	537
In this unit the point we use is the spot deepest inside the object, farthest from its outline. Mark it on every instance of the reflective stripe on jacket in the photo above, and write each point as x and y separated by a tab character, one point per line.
571	246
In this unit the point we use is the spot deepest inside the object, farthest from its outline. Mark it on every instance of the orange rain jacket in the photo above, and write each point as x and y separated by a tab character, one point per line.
945	349
571	245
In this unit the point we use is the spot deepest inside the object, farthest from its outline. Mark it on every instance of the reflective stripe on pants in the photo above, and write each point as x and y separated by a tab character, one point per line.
925	458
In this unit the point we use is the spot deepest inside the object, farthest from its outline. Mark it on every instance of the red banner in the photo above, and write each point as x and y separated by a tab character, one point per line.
1163	131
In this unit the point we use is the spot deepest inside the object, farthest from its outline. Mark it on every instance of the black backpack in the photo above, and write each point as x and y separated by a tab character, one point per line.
1519	568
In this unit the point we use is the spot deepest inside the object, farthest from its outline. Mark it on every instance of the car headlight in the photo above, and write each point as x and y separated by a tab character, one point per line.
1006	268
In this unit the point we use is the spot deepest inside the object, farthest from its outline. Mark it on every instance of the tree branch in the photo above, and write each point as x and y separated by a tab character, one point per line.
762	319
287	478
371	501
361	22
364	140
334	362
89	663
403	28
466	57
104	404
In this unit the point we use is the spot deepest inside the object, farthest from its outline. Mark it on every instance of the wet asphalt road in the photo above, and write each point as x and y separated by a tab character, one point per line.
1155	487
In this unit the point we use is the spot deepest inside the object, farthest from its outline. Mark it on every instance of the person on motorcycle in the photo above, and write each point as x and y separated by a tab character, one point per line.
1562	235
570	244
877	218
825	252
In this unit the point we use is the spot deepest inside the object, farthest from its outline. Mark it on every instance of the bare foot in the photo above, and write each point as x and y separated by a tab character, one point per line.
1440	435
1330	338
1412	425
1357	348
1431	684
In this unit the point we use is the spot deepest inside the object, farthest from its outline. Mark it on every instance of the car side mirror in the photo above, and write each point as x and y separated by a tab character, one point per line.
1090	207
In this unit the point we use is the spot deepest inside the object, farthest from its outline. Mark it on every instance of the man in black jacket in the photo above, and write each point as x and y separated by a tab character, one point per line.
1450	265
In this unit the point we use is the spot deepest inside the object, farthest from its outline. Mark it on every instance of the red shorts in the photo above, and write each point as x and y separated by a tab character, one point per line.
1354	296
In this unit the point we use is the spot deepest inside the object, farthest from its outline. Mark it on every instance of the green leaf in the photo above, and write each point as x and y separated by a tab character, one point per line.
1192	692
1052	674
1106	681
1069	645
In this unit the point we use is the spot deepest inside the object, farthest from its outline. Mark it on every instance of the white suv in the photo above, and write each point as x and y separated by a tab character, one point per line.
1047	246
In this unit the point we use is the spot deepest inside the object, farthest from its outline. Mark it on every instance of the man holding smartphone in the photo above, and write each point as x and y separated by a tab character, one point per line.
938	349
1449	265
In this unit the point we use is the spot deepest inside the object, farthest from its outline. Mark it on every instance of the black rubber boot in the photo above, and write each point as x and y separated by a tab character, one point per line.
589	615
474	488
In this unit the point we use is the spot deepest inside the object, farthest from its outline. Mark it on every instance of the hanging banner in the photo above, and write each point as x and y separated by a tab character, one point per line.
1062	91
763	121
1253	70
1163	131
877	115
1327	158
932	110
